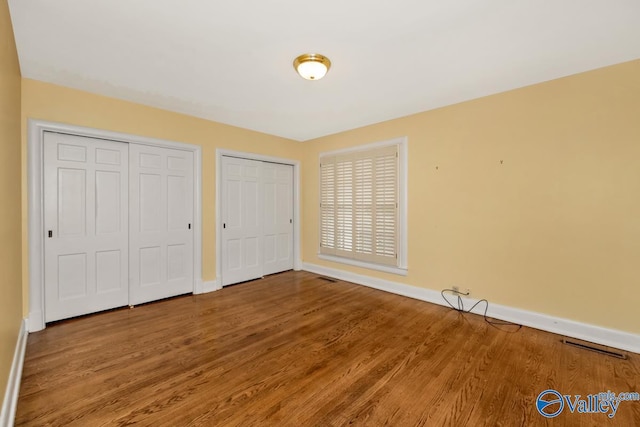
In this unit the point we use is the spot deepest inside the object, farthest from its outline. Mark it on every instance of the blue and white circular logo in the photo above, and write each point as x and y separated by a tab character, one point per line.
549	403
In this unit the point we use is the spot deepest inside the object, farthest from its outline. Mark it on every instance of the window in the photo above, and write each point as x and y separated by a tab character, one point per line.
362	205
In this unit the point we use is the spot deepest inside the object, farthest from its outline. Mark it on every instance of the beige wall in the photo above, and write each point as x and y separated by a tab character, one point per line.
10	290
553	229
59	104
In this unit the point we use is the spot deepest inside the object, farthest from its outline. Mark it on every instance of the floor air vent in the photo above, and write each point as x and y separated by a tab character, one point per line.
594	347
328	279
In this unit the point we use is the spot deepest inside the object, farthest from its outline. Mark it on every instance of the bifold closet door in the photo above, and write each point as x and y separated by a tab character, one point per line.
161	223
86	225
241	220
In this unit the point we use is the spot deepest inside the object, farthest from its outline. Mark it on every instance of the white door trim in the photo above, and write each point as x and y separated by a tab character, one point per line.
35	190
297	259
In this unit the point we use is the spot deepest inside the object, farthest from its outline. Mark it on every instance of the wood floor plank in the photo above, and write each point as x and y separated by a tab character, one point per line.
295	350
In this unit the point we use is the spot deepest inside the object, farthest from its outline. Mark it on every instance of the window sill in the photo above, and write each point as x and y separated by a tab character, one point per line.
385	268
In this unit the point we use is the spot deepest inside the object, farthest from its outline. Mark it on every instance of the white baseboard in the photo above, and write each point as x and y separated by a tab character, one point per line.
210	286
203	287
10	402
595	334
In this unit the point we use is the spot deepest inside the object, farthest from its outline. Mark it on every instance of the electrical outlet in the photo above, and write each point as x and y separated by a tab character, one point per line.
461	291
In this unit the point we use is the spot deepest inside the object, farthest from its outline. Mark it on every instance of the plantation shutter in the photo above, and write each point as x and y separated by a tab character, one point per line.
327	206
359	205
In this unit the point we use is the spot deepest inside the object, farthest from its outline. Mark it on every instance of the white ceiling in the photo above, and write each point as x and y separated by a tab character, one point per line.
231	61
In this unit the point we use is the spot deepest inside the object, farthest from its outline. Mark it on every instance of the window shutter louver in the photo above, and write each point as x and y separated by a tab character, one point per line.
386	205
359	205
344	207
363	206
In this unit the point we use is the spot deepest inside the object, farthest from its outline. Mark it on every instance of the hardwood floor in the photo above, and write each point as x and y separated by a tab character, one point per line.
296	350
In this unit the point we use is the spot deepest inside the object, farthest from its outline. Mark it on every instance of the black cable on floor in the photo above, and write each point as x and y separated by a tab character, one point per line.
460	308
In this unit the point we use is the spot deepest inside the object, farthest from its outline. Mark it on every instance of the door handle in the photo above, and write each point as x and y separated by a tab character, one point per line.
50	233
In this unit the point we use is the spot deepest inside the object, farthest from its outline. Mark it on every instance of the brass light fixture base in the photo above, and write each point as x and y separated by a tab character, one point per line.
312	66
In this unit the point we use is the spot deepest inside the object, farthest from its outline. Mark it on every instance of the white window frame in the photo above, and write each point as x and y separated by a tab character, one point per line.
402	267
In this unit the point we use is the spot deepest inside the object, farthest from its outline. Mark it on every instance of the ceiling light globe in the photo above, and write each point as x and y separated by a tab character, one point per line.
312	70
312	66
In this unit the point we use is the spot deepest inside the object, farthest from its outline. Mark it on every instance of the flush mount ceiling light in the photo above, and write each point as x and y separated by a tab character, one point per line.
312	66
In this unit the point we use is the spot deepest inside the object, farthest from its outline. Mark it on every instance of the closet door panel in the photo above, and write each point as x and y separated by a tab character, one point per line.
161	217
278	217
86	225
242	220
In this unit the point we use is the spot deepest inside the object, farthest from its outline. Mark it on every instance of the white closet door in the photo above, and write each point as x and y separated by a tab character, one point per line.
278	217
242	220
161	223
86	225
